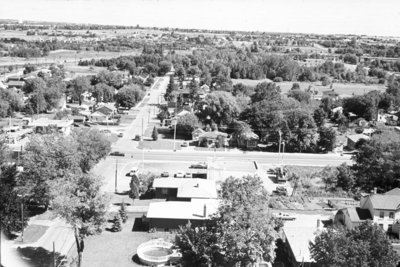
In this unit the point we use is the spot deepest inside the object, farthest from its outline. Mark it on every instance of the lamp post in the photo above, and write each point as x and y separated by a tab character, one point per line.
116	174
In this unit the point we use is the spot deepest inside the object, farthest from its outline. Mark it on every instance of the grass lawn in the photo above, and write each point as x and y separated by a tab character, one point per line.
118	249
160	144
249	82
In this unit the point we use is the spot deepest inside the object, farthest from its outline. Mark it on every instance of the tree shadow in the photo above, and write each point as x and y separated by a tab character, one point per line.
135	259
40	257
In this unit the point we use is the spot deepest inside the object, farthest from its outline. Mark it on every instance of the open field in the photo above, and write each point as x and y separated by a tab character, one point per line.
344	89
64	56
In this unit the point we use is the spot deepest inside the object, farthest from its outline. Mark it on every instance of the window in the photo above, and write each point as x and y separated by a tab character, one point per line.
164	191
381	214
391	215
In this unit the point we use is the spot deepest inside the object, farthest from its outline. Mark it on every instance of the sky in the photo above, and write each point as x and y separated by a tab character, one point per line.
371	17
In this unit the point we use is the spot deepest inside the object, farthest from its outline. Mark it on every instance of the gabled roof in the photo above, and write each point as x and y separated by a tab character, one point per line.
394	191
385	202
198	130
213	134
356	137
357	214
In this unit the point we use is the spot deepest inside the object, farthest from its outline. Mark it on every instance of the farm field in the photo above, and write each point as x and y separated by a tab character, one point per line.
63	56
344	89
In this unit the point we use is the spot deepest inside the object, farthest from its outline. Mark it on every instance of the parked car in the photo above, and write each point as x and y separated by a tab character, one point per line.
200	165
188	175
120	135
184	144
164	174
280	191
117	154
179	175
137	137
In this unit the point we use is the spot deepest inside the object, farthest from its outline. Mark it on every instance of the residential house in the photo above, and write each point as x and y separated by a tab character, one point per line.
245	139
297	235
213	139
184	189
170	215
352	217
44	125
353	139
188	201
15	84
196	133
383	209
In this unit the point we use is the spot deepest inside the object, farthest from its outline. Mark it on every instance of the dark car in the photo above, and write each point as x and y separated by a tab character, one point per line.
117	154
164	174
200	165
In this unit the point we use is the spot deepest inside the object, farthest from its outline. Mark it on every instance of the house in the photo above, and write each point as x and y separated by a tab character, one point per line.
205	88
297	235
173	214
184	189
383	209
353	139
245	139
44	125
15	84
196	133
213	139
352	217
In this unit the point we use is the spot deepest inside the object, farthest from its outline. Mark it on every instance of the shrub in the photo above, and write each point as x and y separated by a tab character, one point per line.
117	223
122	213
278	79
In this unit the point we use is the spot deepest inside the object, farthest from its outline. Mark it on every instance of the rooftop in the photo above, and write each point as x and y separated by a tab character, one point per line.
188	187
357	137
385	202
43	122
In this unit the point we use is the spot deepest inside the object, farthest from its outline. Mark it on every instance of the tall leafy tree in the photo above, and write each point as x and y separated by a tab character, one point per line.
129	96
78	86
81	203
187	124
365	245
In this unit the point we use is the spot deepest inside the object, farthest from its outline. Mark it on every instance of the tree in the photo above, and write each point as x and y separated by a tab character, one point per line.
78	86
345	177
134	187
154	134
266	91
220	107
129	96
327	139
301	96
164	114
243	231
13	99
319	117
47	158
376	163
81	203
10	201
103	93
92	146
186	124
365	245
122	212
164	67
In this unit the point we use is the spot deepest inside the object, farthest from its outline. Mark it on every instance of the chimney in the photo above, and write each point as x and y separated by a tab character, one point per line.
205	210
318	223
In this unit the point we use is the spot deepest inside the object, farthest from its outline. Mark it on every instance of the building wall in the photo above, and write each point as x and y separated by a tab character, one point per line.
166	224
376	215
166	193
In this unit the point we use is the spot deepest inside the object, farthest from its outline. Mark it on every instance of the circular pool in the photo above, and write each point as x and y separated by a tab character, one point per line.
155	252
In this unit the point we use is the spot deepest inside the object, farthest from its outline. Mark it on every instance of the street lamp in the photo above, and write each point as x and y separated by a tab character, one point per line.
116	174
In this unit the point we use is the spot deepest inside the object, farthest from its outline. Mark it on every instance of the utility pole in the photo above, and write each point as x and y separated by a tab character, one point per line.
148	121
54	255
142	148
279	145
116	174
22	218
176	121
